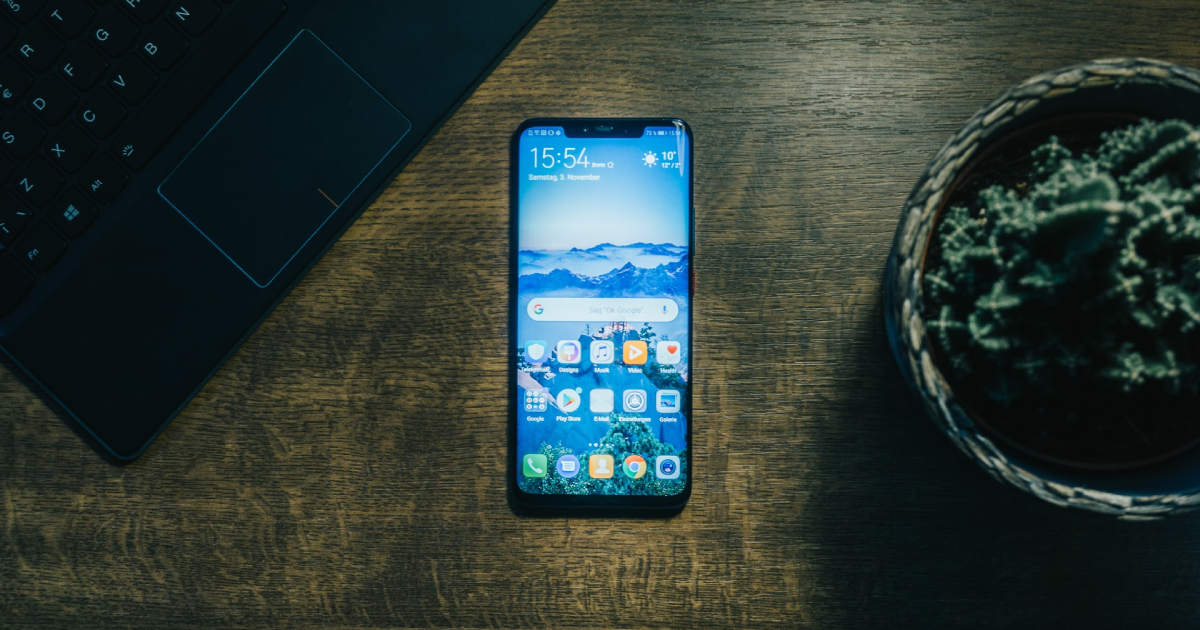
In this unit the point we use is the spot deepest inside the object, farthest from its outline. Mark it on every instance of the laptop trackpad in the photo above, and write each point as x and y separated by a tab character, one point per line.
277	166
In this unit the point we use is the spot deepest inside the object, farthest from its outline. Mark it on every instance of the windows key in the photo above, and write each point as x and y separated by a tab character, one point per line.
72	214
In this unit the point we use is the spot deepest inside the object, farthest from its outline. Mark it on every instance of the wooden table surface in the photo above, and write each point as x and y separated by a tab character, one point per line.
345	469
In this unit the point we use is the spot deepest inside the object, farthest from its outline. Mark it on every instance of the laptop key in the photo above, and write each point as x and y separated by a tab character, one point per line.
70	148
14	215
132	80
164	46
41	247
7	33
15	282
114	33
20	134
72	214
6	169
101	114
38	183
103	180
194	15
199	74
145	10
24	10
14	80
52	100
37	47
68	17
82	67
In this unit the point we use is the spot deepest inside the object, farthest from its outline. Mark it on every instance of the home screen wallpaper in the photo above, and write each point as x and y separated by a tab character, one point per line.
603	312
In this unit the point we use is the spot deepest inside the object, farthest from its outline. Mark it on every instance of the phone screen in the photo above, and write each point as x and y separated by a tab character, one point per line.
603	321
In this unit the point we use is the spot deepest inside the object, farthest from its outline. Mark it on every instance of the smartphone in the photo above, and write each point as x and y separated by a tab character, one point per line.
601	314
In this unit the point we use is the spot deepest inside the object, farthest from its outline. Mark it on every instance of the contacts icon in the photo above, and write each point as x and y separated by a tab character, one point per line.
600	466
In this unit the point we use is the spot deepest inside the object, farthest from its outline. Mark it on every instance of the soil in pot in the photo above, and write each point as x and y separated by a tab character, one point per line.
1024	396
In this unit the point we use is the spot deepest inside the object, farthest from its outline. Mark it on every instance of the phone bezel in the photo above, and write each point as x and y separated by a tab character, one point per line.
631	128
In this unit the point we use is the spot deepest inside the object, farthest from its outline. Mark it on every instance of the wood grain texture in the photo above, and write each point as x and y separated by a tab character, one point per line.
345	469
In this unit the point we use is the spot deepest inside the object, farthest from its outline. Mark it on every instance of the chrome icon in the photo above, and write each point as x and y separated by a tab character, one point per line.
634	466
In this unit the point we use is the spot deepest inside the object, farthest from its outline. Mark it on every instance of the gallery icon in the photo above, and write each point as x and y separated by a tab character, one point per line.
568	400
634	400
600	466
602	351
568	466
635	352
535	351
667	401
600	400
534	465
668	352
666	467
635	467
568	351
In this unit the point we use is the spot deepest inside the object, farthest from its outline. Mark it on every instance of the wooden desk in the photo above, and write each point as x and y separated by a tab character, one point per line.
346	468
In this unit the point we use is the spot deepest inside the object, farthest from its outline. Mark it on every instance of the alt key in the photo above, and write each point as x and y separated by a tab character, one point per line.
41	247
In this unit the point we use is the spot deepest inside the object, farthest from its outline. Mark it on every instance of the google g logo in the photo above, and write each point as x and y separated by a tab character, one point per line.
537	309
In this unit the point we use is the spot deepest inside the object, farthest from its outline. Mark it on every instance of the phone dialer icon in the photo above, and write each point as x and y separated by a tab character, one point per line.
535	401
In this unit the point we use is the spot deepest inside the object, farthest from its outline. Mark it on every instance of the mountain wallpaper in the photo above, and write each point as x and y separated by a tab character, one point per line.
605	270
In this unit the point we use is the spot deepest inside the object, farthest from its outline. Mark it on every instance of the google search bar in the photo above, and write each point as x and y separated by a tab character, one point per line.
603	309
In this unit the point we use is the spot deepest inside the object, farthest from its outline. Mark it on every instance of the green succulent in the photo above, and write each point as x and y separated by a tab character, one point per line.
1088	281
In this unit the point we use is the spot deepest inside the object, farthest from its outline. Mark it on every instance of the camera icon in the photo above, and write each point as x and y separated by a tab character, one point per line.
666	467
634	400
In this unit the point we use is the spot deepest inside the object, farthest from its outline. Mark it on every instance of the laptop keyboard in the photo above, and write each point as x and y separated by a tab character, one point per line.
90	90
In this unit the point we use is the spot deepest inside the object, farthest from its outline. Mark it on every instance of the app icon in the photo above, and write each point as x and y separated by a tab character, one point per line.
535	400
534	465
634	400
600	400
567	465
635	352
667	401
666	467
602	351
568	351
635	467
535	351
668	352
600	466
568	400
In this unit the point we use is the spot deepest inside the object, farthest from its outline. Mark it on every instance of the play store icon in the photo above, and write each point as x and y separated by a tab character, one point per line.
568	400
535	351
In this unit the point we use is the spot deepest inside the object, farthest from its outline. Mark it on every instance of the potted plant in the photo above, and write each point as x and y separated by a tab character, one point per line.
1043	292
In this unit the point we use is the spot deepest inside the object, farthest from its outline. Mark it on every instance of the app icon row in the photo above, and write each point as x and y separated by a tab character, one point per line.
603	351
604	400
535	465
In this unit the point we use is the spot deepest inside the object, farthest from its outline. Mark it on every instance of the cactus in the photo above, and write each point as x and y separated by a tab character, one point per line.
1087	283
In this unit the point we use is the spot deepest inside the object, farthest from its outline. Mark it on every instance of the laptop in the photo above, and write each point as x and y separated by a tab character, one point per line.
170	170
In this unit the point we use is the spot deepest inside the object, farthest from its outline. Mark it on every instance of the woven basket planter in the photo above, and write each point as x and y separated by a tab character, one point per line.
1140	87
